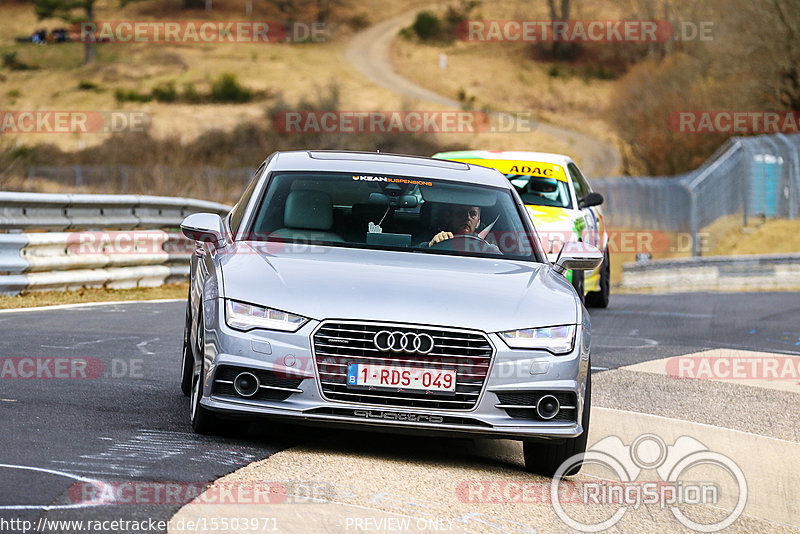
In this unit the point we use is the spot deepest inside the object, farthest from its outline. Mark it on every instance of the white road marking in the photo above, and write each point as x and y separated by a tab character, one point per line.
8	400
102	488
86	305
622	342
143	350
150	448
82	343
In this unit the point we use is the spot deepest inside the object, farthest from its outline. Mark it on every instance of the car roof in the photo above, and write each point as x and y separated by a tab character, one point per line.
384	163
541	157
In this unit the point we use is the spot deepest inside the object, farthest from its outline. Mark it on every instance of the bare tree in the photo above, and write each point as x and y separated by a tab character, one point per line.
559	10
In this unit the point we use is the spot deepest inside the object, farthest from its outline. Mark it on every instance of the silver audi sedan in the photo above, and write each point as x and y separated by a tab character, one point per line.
392	293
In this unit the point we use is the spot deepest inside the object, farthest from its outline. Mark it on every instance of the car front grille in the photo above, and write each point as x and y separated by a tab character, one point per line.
337	344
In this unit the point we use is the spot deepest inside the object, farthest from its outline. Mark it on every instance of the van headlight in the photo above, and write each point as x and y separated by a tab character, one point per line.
555	339
246	317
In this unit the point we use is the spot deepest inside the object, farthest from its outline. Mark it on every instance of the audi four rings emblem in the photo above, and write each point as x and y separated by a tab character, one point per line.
403	342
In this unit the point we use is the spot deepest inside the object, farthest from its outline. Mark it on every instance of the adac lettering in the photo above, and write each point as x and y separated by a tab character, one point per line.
531	171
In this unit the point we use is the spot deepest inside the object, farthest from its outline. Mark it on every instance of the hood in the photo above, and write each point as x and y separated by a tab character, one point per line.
343	283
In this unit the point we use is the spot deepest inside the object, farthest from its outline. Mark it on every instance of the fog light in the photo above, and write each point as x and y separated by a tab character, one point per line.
246	384
547	407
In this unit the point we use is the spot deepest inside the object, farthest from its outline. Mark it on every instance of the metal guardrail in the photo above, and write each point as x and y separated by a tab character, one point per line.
113	241
748	176
715	273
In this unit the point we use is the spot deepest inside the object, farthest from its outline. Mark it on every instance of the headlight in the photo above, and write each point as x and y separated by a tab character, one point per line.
556	339
245	317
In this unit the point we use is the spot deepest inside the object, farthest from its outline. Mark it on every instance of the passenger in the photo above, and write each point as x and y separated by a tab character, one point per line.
459	220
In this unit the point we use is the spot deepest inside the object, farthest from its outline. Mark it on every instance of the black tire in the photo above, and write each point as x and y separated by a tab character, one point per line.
577	283
545	458
203	420
187	358
599	299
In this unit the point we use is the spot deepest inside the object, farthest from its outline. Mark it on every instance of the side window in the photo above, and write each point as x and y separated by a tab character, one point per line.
581	186
238	211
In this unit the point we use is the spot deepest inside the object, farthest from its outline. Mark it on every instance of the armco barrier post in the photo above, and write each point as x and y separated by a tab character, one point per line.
693	220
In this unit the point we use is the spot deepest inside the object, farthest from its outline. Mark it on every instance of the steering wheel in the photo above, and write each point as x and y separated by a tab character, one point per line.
466	243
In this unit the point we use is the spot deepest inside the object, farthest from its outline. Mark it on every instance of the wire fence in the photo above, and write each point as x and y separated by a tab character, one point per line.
748	176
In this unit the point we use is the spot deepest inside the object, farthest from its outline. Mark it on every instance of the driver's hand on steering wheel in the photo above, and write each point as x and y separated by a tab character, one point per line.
441	236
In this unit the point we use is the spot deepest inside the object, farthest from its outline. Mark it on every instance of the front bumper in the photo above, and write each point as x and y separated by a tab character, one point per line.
290	355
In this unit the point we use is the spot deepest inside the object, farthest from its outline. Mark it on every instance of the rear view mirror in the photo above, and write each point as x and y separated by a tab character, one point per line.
578	256
399	201
592	199
205	227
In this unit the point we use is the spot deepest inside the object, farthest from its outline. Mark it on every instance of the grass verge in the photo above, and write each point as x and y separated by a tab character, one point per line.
51	298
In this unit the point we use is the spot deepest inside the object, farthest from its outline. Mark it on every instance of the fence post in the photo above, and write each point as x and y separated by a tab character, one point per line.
693	220
794	175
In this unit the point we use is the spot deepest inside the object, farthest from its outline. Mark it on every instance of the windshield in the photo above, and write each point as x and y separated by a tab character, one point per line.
391	213
541	190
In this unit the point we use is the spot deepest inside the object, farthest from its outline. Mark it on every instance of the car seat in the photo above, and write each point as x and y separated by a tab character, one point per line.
308	215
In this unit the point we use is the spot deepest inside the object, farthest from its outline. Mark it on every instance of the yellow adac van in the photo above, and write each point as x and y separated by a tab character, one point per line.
561	205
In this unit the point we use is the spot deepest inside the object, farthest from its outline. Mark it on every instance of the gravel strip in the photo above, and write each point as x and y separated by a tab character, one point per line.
761	411
369	475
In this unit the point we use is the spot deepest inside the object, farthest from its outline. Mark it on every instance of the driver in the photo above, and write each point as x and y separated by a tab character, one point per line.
459	220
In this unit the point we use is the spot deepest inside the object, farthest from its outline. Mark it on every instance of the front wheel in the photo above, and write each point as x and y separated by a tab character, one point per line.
203	420
187	358
599	299
545	458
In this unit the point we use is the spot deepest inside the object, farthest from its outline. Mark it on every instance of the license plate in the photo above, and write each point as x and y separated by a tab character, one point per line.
391	376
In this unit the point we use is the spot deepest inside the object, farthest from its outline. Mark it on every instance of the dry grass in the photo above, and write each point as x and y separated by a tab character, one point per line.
288	70
502	76
50	298
729	237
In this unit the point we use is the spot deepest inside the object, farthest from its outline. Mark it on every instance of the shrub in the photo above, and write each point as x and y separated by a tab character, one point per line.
11	62
228	89
130	95
190	94
86	85
359	21
165	92
427	26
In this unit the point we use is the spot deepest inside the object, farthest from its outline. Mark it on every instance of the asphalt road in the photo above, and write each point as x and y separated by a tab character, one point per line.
127	421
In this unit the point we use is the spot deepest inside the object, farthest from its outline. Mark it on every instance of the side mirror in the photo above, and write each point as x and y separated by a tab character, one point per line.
206	227
592	199
578	256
